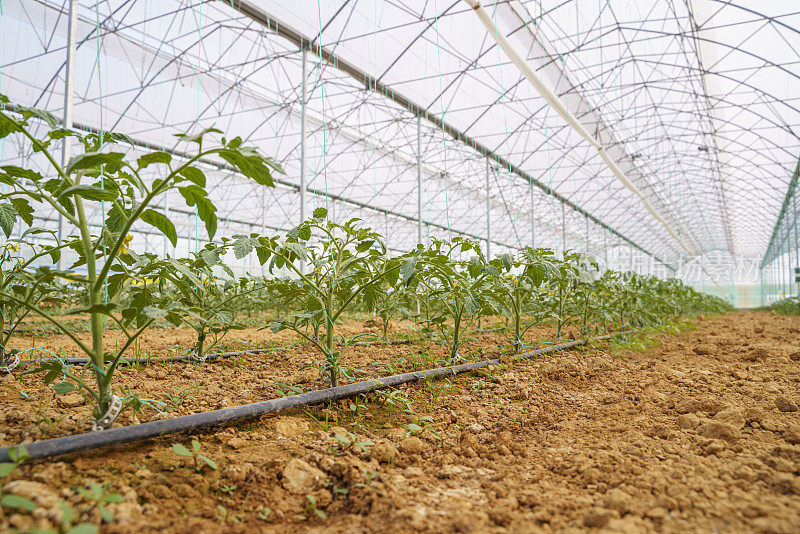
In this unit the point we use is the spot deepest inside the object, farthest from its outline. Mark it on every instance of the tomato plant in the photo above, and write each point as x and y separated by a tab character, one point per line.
207	294
100	175
18	277
346	267
517	290
457	288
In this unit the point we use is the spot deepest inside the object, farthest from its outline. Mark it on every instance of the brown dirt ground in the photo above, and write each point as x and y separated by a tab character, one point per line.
700	433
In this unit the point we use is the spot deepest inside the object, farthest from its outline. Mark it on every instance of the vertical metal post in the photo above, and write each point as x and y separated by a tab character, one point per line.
488	217
533	230
605	248
796	241
419	181
586	221
303	140
761	279
166	214
72	30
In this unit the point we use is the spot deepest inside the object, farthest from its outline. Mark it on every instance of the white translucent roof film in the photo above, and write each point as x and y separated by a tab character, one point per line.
696	101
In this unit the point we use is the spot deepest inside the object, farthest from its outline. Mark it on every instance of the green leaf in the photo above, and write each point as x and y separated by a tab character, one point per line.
180	450
154	313
8	216
198	137
154	157
116	219
19	172
51	120
23	209
320	213
15	501
249	163
89	192
86	528
6	469
18	453
408	268
63	387
112	161
160	221
196	196
7	126
196	445
211	463
365	245
194	175
242	248
104	309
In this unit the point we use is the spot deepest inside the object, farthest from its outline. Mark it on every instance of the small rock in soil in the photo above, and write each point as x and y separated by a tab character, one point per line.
291	427
598	517
384	452
717	430
412	445
688	421
70	401
731	416
618	500
236	443
785	405
786	483
300	478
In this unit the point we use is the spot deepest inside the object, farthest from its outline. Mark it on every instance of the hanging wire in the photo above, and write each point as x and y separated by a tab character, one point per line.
199	53
100	149
322	99
444	136
505	125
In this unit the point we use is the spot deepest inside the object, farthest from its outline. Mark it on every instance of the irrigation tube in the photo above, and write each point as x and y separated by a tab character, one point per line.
153	429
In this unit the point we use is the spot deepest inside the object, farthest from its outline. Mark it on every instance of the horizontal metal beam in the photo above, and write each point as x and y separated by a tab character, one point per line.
319	192
370	83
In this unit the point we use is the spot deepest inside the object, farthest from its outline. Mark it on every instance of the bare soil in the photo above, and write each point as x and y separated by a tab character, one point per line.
699	433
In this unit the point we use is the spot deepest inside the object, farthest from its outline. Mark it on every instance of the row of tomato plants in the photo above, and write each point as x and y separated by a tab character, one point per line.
327	270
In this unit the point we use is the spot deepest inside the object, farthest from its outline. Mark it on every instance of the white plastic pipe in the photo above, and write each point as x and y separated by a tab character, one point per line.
69	78
562	110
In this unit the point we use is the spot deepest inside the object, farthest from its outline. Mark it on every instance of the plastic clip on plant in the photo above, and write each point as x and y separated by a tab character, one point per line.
129	190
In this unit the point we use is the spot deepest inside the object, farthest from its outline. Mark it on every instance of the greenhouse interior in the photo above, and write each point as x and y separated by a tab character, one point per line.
367	265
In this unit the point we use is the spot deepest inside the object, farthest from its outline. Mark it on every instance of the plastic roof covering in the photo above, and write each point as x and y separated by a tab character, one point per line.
697	100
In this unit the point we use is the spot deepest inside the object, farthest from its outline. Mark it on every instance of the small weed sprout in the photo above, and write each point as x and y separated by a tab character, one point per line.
311	506
194	453
98	494
346	442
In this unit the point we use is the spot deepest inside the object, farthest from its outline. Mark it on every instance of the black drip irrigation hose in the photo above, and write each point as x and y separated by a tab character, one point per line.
92	440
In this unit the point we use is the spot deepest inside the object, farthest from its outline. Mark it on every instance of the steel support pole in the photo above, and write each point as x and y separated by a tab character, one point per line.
488	217
533	229
69	78
303	141
419	180
586	221
796	243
